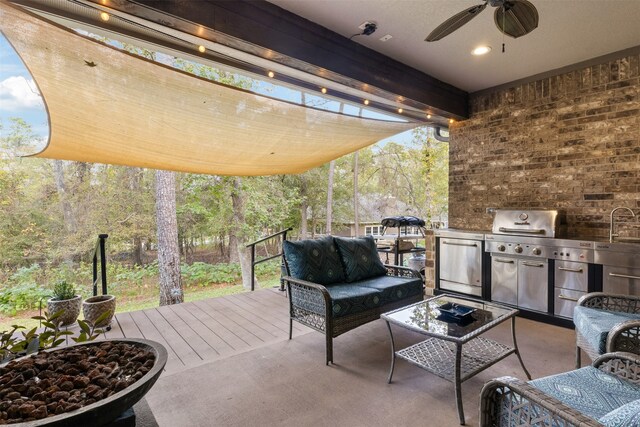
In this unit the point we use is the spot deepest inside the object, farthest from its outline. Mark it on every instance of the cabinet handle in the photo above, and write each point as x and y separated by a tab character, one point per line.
529	264
573	270
471	245
504	261
520	230
567	298
625	276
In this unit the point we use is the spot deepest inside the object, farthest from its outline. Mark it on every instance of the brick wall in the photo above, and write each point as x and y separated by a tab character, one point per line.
570	141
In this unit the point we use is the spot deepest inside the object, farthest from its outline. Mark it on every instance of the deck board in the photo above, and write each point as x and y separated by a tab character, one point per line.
200	331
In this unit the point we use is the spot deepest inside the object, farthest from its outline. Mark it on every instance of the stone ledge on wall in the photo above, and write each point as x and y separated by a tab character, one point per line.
570	142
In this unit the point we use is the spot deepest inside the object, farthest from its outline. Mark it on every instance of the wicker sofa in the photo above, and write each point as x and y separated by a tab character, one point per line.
606	323
605	393
337	284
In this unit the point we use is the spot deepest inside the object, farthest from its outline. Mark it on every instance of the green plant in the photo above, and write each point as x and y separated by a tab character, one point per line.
23	296
63	290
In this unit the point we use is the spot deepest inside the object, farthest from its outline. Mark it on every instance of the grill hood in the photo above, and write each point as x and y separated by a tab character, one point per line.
538	223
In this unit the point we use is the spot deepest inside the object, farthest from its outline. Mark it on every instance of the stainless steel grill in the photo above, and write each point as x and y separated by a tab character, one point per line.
521	246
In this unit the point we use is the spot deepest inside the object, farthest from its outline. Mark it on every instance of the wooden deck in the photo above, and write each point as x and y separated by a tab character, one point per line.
202	331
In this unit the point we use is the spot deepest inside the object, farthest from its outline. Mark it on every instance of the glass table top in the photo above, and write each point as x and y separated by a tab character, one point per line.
432	316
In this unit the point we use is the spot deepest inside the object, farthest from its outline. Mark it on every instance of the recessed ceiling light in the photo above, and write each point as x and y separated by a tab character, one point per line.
271	74
323	90
366	102
201	49
104	16
400	110
481	50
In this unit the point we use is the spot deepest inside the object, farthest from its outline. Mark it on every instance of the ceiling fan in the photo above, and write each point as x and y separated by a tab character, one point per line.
514	18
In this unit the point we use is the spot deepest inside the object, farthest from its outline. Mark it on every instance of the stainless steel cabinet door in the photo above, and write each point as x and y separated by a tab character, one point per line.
565	301
504	280
621	280
461	261
572	275
533	285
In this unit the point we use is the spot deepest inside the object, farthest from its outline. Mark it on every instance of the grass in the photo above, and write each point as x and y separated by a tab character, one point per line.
147	297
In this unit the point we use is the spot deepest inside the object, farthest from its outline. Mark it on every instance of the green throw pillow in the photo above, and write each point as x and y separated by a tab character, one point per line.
315	261
360	258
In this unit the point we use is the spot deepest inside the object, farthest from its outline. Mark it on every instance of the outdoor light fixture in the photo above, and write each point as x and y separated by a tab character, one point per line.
201	49
450	120
366	102
104	16
271	74
400	110
481	50
428	116
323	90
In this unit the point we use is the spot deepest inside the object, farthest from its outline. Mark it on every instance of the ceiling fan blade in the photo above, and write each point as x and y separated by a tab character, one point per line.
519	17
455	22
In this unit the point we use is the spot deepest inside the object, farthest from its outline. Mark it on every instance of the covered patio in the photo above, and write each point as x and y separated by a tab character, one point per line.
230	364
538	128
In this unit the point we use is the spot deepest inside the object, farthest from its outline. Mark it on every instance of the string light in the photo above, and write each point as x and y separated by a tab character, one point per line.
400	110
366	102
104	16
451	120
323	90
271	74
201	49
428	116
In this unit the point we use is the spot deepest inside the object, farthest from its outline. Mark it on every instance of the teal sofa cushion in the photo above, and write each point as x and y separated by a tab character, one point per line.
594	324
393	288
314	260
349	299
625	416
589	391
360	258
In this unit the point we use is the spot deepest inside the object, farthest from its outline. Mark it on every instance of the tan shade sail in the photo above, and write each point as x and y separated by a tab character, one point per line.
106	106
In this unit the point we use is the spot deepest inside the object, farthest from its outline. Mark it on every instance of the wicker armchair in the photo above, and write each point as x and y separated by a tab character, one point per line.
621	327
510	402
310	304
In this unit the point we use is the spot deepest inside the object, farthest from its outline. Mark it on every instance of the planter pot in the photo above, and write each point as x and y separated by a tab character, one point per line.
94	307
71	309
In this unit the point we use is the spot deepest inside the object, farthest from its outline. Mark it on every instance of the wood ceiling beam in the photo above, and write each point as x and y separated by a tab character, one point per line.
266	30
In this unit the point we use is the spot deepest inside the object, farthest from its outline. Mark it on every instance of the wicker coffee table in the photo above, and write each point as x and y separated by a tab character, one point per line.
454	350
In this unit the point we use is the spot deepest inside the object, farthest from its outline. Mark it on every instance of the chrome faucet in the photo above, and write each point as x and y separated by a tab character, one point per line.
611	223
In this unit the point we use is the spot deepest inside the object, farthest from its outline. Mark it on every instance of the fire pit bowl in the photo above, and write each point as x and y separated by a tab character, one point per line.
108	409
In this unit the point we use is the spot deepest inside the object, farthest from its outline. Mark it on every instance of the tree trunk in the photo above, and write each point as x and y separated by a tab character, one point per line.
303	219
67	212
171	291
332	168
242	252
356	213
137	251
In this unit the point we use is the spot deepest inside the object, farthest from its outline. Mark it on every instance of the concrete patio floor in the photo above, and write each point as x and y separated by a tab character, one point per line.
274	381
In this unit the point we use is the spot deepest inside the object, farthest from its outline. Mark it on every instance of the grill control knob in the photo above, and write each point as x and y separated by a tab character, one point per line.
518	249
536	251
501	248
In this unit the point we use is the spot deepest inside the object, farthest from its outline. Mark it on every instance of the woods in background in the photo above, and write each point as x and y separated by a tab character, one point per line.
52	211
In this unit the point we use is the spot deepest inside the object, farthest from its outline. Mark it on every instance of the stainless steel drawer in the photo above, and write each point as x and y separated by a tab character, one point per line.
565	301
572	275
621	280
460	287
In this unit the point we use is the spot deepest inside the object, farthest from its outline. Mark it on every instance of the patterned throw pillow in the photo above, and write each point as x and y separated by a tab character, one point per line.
625	416
360	258
315	261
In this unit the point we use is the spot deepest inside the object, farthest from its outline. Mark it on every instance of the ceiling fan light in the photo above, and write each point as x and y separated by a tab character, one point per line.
481	50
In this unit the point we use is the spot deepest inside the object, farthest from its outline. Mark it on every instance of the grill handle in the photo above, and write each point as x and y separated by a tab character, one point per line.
504	261
573	270
567	298
624	276
523	231
471	245
531	264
